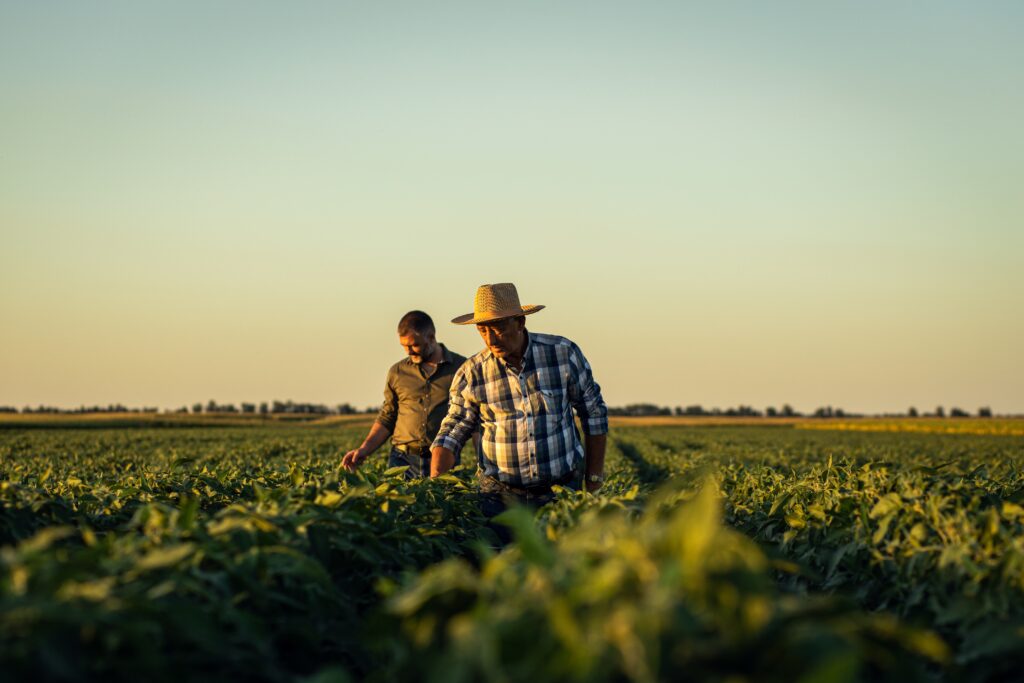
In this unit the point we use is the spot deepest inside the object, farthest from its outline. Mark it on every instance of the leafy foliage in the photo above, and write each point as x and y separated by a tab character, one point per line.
671	593
710	554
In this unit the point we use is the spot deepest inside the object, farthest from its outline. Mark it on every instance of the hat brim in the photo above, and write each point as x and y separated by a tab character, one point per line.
471	319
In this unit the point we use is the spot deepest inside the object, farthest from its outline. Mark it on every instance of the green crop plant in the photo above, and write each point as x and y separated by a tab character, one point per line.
669	594
246	553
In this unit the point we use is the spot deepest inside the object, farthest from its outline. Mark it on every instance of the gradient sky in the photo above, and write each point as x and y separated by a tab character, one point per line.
722	203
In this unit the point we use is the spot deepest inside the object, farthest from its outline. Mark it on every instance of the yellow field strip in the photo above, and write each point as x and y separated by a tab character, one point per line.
990	426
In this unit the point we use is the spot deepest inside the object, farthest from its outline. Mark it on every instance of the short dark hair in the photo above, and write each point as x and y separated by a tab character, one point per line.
415	321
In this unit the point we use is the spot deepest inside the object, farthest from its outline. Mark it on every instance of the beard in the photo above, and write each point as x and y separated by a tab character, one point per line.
420	358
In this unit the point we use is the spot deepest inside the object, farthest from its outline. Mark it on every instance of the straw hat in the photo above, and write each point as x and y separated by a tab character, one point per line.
494	302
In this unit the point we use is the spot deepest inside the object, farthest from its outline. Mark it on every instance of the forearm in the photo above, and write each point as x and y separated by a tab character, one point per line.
441	460
456	428
594	447
377	436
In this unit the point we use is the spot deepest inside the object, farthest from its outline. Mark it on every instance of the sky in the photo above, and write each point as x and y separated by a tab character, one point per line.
721	203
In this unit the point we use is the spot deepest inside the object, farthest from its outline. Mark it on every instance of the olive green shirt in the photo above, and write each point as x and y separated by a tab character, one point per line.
414	404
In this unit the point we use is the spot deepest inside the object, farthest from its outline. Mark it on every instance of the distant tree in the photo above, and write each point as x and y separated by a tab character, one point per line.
197	408
645	409
264	408
771	412
957	412
678	411
939	412
985	412
370	410
249	408
787	410
912	412
839	412
8	409
696	409
640	410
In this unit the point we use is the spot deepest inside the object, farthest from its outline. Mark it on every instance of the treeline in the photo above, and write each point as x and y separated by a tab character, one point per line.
80	410
633	410
653	410
209	408
277	408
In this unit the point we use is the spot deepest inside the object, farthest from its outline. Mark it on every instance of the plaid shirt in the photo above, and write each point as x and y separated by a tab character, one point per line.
529	435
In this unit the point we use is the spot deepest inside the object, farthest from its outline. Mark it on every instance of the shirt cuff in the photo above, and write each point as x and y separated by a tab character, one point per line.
595	426
447	442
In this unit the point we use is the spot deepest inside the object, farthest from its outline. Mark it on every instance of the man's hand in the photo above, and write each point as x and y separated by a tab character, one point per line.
441	460
353	459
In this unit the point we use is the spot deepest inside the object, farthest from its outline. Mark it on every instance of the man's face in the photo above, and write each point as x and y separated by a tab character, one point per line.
419	346
503	337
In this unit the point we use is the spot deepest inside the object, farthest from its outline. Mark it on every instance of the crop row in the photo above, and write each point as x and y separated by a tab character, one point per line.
930	528
248	553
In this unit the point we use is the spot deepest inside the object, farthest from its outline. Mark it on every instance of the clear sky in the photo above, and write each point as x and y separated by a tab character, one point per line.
722	203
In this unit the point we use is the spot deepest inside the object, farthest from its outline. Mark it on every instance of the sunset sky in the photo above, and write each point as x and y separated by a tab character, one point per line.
743	203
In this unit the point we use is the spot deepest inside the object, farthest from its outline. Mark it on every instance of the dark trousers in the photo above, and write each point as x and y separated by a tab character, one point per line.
418	462
496	497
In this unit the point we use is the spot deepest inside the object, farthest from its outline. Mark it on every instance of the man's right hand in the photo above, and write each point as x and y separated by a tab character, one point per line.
353	459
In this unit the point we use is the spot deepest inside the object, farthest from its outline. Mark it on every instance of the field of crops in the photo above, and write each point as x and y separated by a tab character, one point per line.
713	553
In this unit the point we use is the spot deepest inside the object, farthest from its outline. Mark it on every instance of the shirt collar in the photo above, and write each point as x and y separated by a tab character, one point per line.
446	355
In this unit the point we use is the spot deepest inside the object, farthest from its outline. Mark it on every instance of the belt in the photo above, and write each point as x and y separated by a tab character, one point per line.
423	452
535	489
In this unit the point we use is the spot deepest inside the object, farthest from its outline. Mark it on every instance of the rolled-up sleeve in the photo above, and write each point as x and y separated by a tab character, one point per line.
388	415
463	416
586	395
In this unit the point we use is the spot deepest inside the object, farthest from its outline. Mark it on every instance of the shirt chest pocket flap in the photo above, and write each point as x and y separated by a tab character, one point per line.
552	401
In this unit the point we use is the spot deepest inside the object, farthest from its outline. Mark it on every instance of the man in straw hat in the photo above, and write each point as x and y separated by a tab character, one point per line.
521	389
415	399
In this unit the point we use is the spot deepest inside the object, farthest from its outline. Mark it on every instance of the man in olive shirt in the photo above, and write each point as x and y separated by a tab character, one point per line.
415	399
